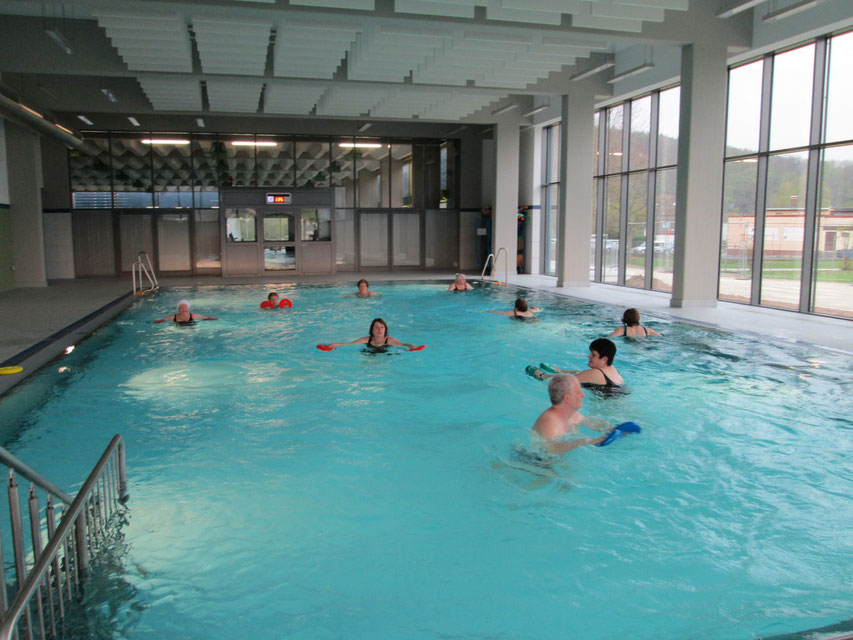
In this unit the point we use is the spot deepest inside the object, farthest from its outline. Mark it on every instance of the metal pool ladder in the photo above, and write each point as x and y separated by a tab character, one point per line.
494	261
57	570
141	267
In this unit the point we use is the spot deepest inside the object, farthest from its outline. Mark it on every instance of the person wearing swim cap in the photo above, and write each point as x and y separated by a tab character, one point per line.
184	317
520	311
563	418
363	291
601	373
460	284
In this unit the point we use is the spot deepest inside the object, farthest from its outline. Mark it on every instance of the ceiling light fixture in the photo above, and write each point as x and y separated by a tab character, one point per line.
133	121
85	120
110	95
593	70
504	109
199	121
59	126
176	142
535	110
60	40
738	7
361	145
631	72
364	127
253	143
35	113
789	10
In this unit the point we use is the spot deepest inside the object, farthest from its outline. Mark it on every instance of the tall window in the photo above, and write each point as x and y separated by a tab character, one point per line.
550	197
787	218
633	232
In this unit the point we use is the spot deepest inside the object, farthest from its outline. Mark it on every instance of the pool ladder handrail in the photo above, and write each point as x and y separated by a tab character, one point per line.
144	268
494	260
59	569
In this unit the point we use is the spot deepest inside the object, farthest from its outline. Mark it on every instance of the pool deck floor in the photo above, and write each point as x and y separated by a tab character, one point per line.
29	316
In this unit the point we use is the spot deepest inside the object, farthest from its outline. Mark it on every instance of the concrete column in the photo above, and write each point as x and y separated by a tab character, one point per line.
701	142
7	277
25	182
575	223
505	225
470	171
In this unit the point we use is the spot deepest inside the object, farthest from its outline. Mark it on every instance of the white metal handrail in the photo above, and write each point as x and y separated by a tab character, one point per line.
56	577
494	260
141	268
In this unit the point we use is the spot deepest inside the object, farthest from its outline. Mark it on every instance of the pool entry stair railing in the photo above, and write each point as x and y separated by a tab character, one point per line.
142	267
494	260
58	556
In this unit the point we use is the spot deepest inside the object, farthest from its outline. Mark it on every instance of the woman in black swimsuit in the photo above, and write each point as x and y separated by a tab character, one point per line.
631	327
601	373
183	318
520	311
378	340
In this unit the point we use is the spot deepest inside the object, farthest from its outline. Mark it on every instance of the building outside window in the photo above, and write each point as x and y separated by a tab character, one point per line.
550	197
787	213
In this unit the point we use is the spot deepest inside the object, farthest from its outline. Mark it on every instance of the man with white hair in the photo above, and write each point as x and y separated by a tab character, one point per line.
563	417
183	317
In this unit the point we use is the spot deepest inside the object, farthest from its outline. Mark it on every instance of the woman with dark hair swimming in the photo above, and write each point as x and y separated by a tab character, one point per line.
601	373
378	340
520	311
631	327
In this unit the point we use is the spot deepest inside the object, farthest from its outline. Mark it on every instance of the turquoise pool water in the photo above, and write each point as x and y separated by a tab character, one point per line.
280	491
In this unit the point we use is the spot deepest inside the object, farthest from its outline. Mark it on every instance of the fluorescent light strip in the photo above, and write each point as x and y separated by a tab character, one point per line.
630	72
250	143
176	142
535	110
364	127
593	70
361	145
789	11
738	8
133	121
60	40
199	122
85	120
504	109
110	95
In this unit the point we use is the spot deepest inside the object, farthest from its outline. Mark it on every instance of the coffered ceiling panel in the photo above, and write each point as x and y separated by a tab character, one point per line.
232	46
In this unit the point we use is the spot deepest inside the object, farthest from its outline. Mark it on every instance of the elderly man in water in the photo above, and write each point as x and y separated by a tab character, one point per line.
563	418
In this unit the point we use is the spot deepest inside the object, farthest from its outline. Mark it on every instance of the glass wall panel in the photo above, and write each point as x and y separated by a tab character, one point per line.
432	180
312	164
173	241
173	175
641	120
174	199
345	239
342	172
839	98
373	239
552	218
207	246
240	225
93	243
596	151
664	240
401	175
791	105
89	175
441	239
743	121
614	138
279	227
738	232
833	276
638	193
406	244
240	160
553	153
135	235
668	117
373	173
316	224
593	233
208	162
612	201
279	258
131	172
274	161
784	227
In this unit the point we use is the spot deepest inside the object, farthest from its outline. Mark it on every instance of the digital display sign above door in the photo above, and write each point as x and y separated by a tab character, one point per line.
278	198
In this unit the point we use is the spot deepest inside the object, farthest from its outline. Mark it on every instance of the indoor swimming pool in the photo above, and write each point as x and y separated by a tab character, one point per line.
279	491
